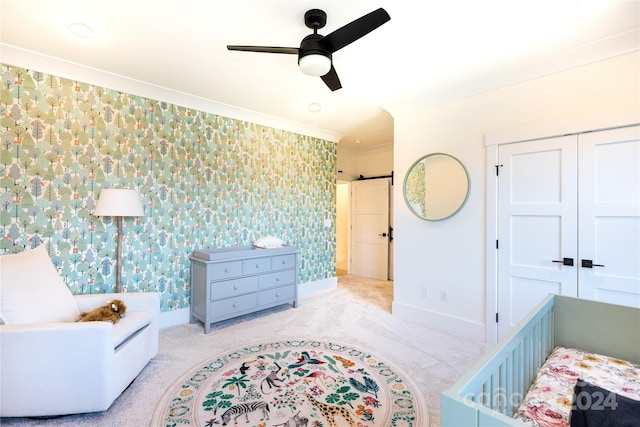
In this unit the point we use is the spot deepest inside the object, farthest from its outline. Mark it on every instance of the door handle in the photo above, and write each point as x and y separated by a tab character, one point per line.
587	263
382	234
566	261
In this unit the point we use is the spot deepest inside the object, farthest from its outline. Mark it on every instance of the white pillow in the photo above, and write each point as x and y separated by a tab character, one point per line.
268	242
31	291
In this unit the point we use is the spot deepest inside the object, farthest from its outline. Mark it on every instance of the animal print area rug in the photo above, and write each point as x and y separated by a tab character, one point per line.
295	383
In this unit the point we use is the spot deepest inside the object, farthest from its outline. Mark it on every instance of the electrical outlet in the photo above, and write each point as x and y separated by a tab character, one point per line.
425	292
444	295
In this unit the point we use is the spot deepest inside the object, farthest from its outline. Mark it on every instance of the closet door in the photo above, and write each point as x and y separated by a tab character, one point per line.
537	225
609	216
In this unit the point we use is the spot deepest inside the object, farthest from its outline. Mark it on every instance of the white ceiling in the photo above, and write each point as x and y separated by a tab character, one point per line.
429	53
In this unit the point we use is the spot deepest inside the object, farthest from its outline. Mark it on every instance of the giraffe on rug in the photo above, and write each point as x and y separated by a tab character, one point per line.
329	412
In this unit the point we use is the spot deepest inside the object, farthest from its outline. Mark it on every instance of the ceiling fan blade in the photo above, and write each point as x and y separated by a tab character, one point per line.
265	49
331	79
354	30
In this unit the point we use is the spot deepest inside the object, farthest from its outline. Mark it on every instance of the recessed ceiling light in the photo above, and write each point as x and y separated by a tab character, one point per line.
82	30
314	107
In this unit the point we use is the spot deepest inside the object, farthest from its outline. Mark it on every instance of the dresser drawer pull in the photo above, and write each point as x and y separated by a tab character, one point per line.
277	278
277	295
235	305
257	265
235	287
226	270
284	261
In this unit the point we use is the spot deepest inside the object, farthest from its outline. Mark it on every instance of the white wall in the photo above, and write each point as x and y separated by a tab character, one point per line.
450	255
373	161
342	225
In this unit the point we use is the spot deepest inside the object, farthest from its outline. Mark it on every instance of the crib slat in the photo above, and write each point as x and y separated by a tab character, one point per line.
518	368
486	392
502	387
509	386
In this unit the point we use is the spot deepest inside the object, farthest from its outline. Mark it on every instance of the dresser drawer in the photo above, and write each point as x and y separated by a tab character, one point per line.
270	296
278	278
256	265
234	287
230	306
225	270
282	262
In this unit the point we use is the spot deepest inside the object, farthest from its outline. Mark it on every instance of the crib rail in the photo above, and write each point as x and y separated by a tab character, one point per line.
492	390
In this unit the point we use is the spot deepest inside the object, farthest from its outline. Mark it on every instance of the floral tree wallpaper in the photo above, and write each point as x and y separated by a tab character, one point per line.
204	180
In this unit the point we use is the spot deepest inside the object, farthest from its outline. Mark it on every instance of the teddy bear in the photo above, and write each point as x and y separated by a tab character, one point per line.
112	311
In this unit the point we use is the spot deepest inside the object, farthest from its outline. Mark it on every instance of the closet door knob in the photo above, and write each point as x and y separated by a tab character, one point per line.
587	263
566	261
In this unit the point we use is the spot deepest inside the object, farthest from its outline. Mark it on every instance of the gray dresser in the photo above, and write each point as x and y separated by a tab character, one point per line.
230	282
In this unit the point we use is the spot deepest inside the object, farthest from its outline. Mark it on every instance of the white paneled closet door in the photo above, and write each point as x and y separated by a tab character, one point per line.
537	225
568	221
609	216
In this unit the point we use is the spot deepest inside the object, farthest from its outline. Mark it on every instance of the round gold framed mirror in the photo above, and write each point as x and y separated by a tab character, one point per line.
436	186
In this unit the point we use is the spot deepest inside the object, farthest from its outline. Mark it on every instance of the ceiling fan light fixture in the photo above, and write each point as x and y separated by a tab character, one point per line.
315	65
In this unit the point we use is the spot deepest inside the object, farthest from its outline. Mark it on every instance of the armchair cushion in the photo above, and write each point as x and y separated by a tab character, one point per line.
31	291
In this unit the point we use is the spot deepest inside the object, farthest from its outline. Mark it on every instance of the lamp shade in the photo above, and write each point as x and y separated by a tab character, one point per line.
315	65
118	202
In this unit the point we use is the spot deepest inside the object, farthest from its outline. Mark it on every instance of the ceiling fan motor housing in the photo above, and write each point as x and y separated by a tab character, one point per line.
310	46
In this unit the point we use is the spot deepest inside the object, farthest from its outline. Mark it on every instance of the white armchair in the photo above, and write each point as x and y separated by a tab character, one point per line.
52	365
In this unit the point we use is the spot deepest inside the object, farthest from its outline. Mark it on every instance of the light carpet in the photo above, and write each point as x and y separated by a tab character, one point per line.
293	382
358	312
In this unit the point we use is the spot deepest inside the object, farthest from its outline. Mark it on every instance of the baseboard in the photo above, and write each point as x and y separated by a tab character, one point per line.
312	288
183	315
452	324
174	317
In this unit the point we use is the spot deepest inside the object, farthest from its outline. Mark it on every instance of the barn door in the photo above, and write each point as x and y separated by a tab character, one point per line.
370	228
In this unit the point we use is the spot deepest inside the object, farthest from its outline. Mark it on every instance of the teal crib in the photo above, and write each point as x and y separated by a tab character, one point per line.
491	391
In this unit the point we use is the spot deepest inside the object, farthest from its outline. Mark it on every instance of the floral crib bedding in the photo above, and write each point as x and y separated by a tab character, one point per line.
549	400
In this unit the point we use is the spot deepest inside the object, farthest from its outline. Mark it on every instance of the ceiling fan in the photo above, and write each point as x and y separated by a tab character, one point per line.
315	51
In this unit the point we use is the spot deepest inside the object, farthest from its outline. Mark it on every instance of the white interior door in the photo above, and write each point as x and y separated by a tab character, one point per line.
370	228
609	236
537	225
